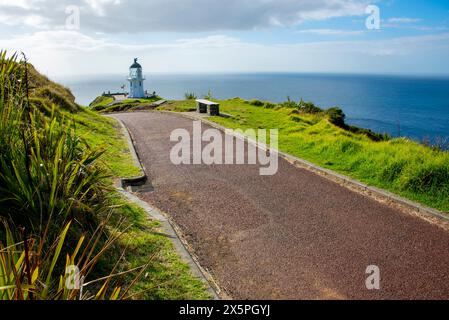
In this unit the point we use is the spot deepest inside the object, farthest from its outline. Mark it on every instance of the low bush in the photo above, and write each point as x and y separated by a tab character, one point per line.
290	104
309	107
256	103
269	105
336	116
209	95
375	136
190	96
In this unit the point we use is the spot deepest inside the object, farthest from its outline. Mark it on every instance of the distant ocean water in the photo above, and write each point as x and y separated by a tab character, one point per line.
416	107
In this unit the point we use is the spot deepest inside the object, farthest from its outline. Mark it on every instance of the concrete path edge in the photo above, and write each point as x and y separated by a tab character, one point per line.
169	228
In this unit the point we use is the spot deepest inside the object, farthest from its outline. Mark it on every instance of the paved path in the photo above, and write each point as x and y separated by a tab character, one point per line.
294	235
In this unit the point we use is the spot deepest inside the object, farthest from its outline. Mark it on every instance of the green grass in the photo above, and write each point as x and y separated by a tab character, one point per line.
167	277
144	101
179	106
101	104
104	132
401	166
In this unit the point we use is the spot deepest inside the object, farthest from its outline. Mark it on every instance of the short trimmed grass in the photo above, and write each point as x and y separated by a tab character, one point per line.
100	131
179	106
401	166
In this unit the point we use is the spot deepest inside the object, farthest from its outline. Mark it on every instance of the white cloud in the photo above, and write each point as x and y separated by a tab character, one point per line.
99	6
403	20
71	52
24	4
112	16
331	32
31	20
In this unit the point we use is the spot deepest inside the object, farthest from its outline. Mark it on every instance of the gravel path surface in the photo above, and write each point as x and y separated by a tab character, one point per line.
294	235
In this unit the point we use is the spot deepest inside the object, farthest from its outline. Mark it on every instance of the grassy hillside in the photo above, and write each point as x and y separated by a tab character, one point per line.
401	166
167	277
57	163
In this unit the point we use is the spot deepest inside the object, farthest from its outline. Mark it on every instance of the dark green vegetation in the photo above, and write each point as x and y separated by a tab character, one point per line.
107	104
399	165
190	96
57	164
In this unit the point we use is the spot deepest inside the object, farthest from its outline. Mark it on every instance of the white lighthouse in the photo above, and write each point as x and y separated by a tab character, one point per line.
136	81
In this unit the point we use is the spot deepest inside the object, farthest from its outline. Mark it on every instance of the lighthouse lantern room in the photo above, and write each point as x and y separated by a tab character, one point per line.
136	81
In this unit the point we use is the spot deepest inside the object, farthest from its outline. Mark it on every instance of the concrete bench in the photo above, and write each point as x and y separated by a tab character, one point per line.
204	106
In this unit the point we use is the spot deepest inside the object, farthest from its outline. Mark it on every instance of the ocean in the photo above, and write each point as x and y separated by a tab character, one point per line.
415	107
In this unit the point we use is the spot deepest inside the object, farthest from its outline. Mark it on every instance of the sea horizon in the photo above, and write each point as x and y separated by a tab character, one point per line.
414	106
59	77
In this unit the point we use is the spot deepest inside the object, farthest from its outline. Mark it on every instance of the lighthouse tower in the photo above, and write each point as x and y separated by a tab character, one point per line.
136	81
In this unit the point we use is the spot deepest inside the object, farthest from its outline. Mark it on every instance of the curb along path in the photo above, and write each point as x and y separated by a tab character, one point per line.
170	230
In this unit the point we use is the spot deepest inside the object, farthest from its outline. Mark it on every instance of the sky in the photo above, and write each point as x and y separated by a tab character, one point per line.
92	37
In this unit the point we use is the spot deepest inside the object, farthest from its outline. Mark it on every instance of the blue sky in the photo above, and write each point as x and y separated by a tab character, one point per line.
228	36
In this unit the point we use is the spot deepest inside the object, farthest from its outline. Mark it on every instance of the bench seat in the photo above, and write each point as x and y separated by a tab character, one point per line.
205	106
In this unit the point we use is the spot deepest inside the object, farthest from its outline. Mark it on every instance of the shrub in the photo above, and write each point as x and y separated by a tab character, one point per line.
209	95
190	96
336	116
269	105
290	104
256	103
369	133
309	107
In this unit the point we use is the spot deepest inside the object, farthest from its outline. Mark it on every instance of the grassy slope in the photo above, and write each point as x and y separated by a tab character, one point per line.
101	103
399	165
105	132
168	277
